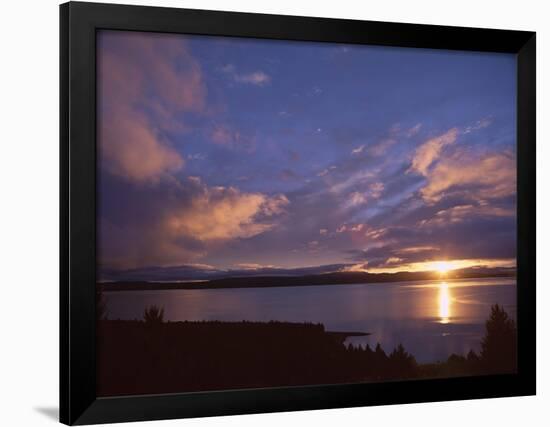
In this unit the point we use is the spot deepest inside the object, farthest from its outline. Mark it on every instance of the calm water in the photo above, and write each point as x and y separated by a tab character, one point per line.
432	319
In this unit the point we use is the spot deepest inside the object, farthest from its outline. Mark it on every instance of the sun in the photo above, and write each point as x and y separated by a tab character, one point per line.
442	267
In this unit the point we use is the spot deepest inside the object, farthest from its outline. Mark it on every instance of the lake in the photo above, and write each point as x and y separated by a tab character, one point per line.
432	319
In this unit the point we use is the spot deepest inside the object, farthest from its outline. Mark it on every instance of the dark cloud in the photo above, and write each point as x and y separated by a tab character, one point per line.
474	238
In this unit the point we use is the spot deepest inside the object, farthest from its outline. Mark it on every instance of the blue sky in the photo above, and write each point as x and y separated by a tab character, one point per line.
232	154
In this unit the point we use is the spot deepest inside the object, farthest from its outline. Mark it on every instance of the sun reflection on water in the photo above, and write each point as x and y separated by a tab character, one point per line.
444	300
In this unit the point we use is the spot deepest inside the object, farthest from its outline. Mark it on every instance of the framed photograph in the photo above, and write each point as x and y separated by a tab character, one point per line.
268	213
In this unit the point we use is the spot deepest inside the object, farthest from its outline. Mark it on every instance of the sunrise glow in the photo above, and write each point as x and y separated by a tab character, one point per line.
238	163
441	267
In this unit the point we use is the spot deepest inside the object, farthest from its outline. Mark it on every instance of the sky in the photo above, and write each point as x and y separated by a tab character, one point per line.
233	155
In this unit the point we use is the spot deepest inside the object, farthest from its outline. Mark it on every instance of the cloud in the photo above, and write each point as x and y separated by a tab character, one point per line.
393	260
145	80
417	249
180	222
233	139
375	233
350	228
453	234
256	78
352	180
376	189
356	198
413	130
326	171
359	198
382	147
460	213
223	136
224	213
131	148
253	266
358	150
428	152
480	124
477	176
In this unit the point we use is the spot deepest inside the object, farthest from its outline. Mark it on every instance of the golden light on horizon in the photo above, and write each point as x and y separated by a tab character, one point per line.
444	303
443	267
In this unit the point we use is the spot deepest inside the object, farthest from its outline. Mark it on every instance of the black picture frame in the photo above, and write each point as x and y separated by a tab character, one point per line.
78	25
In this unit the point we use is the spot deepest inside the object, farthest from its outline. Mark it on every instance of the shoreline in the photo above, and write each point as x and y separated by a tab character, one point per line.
279	282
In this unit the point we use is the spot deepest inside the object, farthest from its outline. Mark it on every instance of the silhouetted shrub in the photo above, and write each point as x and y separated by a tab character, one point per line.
153	315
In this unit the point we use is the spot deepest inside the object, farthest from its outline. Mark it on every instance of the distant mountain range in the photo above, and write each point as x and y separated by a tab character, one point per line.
280	280
191	272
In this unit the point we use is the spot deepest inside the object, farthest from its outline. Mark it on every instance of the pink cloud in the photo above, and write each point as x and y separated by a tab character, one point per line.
131	148
137	73
460	213
376	189
234	139
350	228
428	152
488	176
382	147
356	198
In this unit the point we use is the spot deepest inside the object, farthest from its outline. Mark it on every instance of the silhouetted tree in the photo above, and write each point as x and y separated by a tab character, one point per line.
379	351
472	357
153	315
403	364
499	346
368	350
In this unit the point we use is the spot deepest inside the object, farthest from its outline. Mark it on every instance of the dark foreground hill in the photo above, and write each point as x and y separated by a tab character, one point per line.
152	356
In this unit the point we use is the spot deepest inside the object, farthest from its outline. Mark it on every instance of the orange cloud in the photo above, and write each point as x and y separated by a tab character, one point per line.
253	266
188	220
224	213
